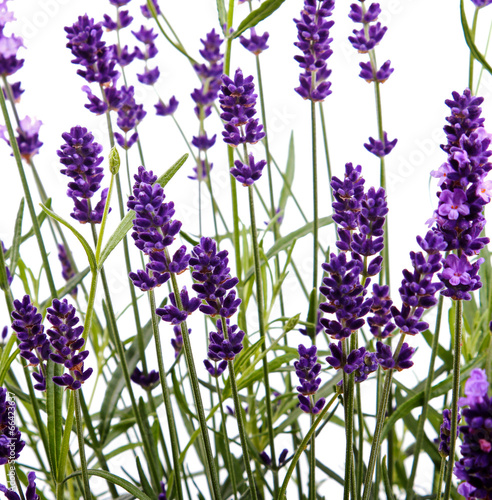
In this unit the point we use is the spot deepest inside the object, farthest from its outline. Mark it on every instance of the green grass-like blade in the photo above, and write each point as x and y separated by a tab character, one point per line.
14	253
127	222
262	12
221	11
288	178
83	241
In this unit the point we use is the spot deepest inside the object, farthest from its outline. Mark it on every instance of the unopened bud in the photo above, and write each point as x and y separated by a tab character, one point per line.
114	161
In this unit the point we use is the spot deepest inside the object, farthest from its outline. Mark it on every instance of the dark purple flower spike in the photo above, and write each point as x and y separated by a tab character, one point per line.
146	381
30	493
307	369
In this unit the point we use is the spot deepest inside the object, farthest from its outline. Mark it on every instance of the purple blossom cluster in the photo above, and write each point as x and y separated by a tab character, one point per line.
313	35
9	45
474	469
11	443
215	289
80	156
67	342
445	433
256	44
237	101
147	37
30	493
146	381
153	231
204	97
307	370
364	41
34	345
27	137
359	361
464	192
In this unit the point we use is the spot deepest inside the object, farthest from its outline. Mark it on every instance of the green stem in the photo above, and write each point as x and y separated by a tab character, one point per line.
315	206
360	468
166	396
458	331
312	462
472	59
441	478
348	392
419	440
27	194
262	329
376	441
65	448
80	436
195	387
302	446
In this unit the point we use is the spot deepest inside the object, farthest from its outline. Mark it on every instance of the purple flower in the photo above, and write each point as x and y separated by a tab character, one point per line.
202	142
17	91
319	326
34	345
130	114
380	148
385	357
30	494
11	443
313	35
80	157
256	43
162	109
122	21
460	277
359	361
247	174
201	171
380	324
364	43
358	16
9	45
146	381
307	369
146	11
144	35
222	348
27	137
66	341
175	316
481	3
215	370
445	433
476	463
368	74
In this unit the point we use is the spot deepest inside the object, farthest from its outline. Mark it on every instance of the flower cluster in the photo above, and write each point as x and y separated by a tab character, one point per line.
445	433
464	191
10	278
153	231
204	97
30	493
475	466
34	346
27	137
313	35
307	369
215	288
146	381
364	41
237	101
256	44
67	270
147	37
359	361
80	157
130	114
9	45
66	340
11	443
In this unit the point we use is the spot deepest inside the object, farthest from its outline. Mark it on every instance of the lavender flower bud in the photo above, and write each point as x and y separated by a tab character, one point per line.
11	443
307	370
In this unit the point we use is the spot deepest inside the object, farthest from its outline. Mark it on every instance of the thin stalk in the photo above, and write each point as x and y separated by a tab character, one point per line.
167	399
315	209
425	405
441	478
481	68
80	435
472	59
195	387
262	329
376	441
27	194
65	447
348	395
325	143
360	468
456	392
312	461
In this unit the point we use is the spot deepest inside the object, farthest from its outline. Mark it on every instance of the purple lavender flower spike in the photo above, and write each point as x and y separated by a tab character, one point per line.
200	172
359	361
460	277
256	44
247	174
380	323
130	114
380	148
34	345
476	463
368	74
27	137
30	493
357	15
445	433
237	102
149	76
11	443
9	45
146	11
66	341
67	270
363	43
313	31
307	369
146	381
220	348
17	91
175	316
80	157
215	370
162	109
123	20
319	326
384	356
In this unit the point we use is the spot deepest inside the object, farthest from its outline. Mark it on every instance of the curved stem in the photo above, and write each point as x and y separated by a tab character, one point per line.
456	392
472	59
80	435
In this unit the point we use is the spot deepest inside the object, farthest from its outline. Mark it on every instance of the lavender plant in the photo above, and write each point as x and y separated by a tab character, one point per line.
310	350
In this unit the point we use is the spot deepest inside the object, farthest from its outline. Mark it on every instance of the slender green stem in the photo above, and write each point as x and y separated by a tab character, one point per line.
262	329
348	398
27	194
360	468
80	436
482	68
441	478
166	396
312	461
315	204
195	387
303	445
376	441
425	405
104	218
472	59
65	448
458	332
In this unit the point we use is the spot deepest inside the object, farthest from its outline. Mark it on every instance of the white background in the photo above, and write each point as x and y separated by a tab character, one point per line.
427	49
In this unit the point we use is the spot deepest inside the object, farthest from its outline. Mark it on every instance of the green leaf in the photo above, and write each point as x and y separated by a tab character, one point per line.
469	40
284	243
5	364
126	223
288	176
262	12
83	241
112	478
221	11
444	354
14	252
